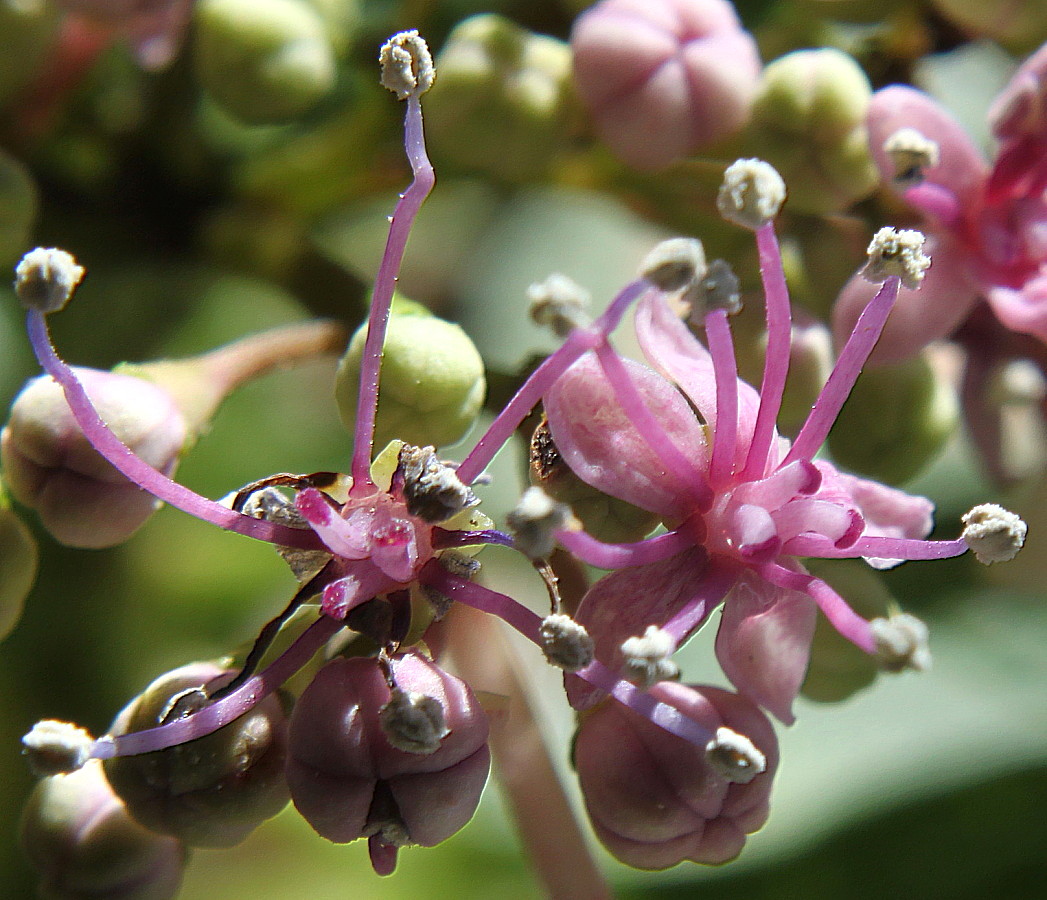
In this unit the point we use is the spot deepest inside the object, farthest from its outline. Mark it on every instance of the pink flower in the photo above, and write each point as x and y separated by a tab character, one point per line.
743	506
656	800
663	78
986	223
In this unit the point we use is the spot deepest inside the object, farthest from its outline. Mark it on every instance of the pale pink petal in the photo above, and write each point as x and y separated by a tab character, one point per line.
1023	310
919	316
961	167
1020	109
621	605
602	447
671	348
764	643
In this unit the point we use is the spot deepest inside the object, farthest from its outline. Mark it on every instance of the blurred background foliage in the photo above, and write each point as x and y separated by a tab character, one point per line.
197	226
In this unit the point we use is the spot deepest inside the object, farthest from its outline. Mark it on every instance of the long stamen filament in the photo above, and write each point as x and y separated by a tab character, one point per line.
725	371
618	556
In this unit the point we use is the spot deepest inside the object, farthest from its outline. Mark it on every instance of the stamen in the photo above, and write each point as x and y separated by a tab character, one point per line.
911	154
54	748
617	556
565	642
901	643
897	253
535	521
647	658
413	722
675	265
752	193
407	65
719	289
993	533
559	303
431	489
45	279
734	756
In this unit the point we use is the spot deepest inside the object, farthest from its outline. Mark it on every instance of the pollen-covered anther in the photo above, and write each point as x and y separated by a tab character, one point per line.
911	154
566	643
535	521
54	748
432	490
413	722
993	533
675	265
459	564
45	279
559	303
407	65
647	657
734	757
897	252
901	643
719	289
752	193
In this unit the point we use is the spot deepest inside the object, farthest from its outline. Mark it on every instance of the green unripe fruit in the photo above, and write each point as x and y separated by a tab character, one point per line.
265	61
809	123
896	421
211	792
502	100
432	380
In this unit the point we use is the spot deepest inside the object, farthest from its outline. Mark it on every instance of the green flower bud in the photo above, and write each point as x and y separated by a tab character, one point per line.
605	518
18	206
808	122
19	560
1021	25
432	385
211	792
502	100
263	60
838	668
895	422
77	834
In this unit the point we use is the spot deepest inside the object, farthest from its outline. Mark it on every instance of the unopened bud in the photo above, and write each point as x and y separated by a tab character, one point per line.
734	757
894	252
534	523
566	643
407	65
911	154
413	722
647	658
752	193
54	747
432	490
46	278
901	643
993	533
560	303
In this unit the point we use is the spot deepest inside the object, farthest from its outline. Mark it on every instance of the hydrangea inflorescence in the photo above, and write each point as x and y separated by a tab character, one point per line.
390	747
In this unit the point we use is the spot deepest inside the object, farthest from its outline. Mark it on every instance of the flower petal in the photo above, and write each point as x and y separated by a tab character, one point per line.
1023	310
602	446
764	643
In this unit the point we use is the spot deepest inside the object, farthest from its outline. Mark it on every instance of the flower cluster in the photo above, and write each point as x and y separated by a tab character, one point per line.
347	704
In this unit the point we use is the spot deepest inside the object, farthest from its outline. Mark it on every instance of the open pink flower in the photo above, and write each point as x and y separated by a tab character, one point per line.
698	446
986	223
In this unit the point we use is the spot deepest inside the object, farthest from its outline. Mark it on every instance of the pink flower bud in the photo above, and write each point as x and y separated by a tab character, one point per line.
79	837
349	781
663	78
656	799
211	792
50	466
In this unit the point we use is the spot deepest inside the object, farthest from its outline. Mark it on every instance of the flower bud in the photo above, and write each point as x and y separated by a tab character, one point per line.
349	781
264	61
809	122
656	799
50	466
432	386
894	448
502	102
606	518
664	78
211	792
77	834
1020	26
19	560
